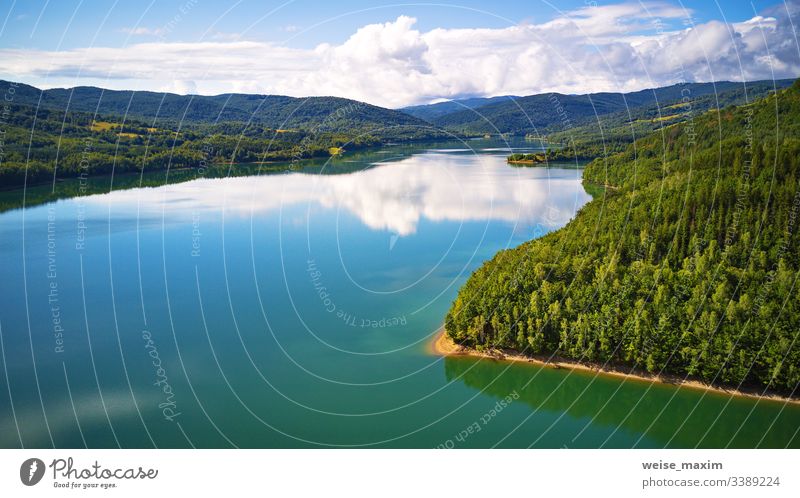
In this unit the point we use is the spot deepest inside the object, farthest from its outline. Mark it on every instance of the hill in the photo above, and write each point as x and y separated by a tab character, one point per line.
59	133
546	113
170	110
687	264
431	112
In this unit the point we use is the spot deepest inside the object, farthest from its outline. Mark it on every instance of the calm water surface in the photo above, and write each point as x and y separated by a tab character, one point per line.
295	310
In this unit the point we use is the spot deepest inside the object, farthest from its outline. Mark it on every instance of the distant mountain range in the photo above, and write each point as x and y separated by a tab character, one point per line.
432	112
554	111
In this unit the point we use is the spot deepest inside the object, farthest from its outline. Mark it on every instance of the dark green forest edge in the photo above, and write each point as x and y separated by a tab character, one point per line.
686	267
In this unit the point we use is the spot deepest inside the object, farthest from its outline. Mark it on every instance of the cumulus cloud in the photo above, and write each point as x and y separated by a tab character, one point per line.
621	47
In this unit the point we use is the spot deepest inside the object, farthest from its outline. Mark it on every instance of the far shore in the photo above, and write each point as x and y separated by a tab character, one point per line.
443	345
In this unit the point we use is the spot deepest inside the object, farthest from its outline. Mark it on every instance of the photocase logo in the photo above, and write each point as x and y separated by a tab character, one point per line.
31	471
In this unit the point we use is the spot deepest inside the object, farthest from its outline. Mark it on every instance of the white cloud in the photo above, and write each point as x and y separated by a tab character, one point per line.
183	87
619	47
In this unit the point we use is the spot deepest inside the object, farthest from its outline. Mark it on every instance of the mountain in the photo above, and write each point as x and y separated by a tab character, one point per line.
555	111
685	264
169	109
431	112
60	133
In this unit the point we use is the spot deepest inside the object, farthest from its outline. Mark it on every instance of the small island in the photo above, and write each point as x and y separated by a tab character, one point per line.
582	152
527	159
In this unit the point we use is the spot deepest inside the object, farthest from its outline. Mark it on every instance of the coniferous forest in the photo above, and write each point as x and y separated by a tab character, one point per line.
686	263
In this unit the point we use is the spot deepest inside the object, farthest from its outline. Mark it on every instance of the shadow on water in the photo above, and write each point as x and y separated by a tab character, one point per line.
664	414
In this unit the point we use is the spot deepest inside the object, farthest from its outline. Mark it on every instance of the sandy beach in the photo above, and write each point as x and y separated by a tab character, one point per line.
443	345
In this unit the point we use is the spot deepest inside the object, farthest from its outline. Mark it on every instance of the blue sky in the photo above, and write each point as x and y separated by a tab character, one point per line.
278	21
394	53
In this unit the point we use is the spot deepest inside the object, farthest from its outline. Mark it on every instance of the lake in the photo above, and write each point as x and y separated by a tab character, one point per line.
295	308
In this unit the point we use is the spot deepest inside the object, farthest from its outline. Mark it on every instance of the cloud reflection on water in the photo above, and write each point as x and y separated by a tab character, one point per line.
395	197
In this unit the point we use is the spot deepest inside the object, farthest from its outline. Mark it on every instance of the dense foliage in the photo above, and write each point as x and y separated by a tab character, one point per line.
612	132
43	141
686	265
170	110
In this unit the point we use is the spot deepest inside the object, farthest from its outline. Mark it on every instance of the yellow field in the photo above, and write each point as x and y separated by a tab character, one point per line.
100	126
667	118
103	126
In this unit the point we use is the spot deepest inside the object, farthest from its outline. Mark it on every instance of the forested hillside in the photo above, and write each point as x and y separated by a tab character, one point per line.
687	264
551	113
59	133
169	109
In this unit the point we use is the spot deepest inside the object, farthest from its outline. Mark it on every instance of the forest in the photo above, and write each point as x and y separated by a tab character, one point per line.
580	117
60	137
686	264
53	134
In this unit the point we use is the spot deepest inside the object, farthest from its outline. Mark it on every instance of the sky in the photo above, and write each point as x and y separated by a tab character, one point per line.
395	54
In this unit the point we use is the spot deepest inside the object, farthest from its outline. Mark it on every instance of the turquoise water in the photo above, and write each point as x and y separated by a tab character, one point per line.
295	309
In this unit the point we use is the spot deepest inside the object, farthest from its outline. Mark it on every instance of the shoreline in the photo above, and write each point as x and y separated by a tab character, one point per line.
443	345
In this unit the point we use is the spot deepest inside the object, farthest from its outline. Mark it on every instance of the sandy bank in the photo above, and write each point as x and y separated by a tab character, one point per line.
443	345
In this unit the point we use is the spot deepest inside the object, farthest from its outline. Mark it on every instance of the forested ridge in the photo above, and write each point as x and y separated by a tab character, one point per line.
60	133
597	114
687	265
169	109
431	112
